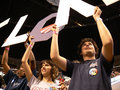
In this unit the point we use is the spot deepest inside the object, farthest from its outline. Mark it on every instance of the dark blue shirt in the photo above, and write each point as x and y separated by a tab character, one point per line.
90	74
13	82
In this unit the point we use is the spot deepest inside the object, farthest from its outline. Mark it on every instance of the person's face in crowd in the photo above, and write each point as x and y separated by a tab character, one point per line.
88	49
46	69
21	72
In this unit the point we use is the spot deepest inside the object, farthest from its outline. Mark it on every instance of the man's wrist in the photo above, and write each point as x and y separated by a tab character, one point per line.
98	19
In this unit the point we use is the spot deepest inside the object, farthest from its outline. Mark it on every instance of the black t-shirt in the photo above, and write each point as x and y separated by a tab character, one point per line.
90	74
13	82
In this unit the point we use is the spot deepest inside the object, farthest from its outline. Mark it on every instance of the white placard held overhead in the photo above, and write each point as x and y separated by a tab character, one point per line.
42	34
13	39
109	2
4	23
63	13
61	19
82	7
64	8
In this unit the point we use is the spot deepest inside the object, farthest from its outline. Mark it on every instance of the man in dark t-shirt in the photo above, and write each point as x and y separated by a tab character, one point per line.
90	73
16	81
13	82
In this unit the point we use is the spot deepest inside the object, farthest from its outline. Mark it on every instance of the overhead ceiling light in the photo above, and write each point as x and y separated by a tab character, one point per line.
54	2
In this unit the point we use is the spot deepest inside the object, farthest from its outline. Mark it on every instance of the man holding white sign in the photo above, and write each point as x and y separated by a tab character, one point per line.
91	73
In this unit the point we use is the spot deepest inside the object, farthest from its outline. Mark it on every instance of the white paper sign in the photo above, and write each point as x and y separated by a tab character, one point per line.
82	7
109	2
64	8
4	22
61	20
13	39
63	13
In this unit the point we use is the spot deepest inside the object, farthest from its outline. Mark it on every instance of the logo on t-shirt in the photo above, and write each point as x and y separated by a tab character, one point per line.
94	64
16	84
93	71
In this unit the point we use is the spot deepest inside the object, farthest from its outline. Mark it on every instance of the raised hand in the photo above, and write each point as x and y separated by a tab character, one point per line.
97	13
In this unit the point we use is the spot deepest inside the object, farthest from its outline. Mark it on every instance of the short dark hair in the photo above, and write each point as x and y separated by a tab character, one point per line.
87	40
54	70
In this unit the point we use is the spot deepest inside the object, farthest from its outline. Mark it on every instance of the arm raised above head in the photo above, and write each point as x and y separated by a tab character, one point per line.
4	61
32	60
60	61
28	71
106	37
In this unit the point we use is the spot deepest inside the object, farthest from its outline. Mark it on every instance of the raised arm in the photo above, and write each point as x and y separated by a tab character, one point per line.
4	61
32	60
106	38
60	61
28	71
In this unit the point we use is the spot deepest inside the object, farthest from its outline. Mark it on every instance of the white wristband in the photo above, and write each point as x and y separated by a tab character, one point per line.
97	19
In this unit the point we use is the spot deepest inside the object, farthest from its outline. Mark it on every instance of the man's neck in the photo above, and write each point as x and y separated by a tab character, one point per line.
88	58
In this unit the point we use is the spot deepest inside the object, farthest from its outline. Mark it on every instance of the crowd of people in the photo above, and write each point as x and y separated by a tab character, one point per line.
89	73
